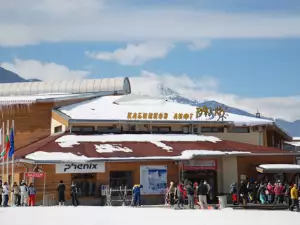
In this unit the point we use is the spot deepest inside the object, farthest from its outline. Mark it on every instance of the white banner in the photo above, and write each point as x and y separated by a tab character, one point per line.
98	167
153	179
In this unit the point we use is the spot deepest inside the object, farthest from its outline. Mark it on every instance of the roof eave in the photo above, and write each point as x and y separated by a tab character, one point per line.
78	121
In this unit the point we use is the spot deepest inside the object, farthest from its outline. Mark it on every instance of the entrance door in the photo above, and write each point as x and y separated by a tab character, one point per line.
86	183
203	175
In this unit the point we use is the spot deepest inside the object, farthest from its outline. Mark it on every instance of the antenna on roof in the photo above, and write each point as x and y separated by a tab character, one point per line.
257	114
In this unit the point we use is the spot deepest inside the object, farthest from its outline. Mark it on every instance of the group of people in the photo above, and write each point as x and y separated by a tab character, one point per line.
266	193
61	189
196	194
23	195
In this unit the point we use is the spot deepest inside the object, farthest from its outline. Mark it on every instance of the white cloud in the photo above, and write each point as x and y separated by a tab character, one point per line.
30	69
199	45
207	88
134	54
94	20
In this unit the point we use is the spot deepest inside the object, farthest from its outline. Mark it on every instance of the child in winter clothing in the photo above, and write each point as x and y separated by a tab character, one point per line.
233	192
31	193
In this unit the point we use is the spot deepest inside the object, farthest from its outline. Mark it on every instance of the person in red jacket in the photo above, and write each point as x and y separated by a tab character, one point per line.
278	189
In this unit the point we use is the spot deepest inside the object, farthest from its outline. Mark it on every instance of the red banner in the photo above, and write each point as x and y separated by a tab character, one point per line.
35	175
200	164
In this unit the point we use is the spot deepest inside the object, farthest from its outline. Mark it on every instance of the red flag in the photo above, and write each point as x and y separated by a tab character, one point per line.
7	146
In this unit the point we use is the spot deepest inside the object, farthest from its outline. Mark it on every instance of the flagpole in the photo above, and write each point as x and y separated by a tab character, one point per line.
13	158
7	156
3	147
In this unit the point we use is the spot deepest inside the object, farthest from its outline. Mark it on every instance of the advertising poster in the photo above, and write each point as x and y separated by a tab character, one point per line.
153	179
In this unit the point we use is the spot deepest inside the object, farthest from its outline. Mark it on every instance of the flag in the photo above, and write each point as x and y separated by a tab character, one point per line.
1	137
12	143
7	147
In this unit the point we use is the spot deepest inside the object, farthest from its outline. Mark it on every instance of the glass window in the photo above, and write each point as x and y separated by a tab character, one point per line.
57	129
212	129
161	130
119	179
239	130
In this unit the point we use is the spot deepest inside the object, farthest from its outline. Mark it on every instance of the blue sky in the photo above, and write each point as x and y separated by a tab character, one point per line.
248	49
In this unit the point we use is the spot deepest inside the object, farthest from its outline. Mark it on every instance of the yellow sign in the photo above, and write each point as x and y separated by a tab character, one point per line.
218	112
158	116
200	111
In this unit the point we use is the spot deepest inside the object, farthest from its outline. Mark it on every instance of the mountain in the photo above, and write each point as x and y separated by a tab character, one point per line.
292	128
7	76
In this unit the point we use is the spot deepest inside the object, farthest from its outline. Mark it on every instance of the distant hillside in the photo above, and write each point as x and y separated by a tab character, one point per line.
7	76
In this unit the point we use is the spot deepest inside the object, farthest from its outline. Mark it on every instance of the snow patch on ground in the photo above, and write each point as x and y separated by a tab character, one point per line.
135	216
109	148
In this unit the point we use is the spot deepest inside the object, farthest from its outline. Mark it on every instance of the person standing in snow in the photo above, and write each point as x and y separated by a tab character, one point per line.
233	192
180	195
294	198
32	194
190	194
5	194
262	195
23	194
136	192
244	193
202	191
73	193
208	197
61	188
16	191
171	193
1	192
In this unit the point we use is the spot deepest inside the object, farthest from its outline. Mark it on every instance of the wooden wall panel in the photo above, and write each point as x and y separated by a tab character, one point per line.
247	165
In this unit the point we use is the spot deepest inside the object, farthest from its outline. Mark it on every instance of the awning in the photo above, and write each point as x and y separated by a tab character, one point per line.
278	168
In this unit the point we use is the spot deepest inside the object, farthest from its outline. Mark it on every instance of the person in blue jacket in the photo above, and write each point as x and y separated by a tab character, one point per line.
136	194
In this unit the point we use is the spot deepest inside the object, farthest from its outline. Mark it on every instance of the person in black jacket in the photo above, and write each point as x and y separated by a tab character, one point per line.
202	191
61	188
73	193
244	193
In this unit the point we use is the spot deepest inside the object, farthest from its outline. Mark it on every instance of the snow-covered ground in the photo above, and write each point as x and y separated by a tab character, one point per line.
141	216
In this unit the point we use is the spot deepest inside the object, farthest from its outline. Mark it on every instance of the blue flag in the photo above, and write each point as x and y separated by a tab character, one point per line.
12	143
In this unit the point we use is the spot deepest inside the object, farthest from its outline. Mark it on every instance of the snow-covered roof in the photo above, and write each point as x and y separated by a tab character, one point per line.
29	99
279	166
296	139
127	147
119	107
293	143
109	85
